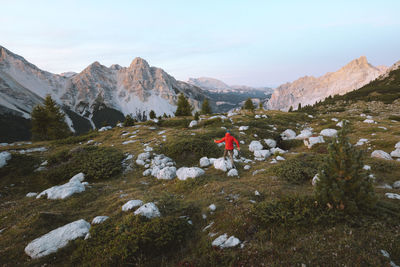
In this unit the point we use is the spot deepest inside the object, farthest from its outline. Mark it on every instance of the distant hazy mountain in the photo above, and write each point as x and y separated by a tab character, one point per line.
94	96
307	90
230	96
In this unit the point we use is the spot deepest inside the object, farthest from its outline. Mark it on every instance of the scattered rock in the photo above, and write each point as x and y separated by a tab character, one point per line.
193	172
212	207
392	196
313	140
132	204
224	242
204	162
56	239
395	153
271	143
328	132
396	185
74	185
315	179
280	158
243	128
4	157
222	164
304	134
99	219
247	167
31	194
369	121
288	134
255	145
193	124
381	154
105	128
233	172
361	142
148	210
167	173
262	153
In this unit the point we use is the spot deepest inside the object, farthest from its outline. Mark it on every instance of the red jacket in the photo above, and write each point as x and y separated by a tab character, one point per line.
228	139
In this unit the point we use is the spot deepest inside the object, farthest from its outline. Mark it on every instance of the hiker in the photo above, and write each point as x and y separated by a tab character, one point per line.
229	139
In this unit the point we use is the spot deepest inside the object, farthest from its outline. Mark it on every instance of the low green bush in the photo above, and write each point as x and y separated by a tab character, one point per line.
175	123
75	139
299	169
19	165
134	240
188	149
289	144
97	163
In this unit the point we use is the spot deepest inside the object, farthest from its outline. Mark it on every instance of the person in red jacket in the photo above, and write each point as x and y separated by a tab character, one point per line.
229	139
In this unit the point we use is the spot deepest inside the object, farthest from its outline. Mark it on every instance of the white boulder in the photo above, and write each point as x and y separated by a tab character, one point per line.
361	142
148	210
288	134
397	145
315	180
56	239
222	164
243	128
132	204
74	185
233	172
99	219
313	140
4	157
392	196
193	172
396	185
255	145
277	150
306	133
193	124
263	153
167	173
369	121
395	153
381	155
31	194
271	143
143	156
204	162
212	207
224	242
105	128
247	167
328	132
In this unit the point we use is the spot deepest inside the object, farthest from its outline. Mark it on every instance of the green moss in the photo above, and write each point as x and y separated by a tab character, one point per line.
299	169
132	240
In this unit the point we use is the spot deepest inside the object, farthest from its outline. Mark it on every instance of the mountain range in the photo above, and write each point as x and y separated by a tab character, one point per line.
308	89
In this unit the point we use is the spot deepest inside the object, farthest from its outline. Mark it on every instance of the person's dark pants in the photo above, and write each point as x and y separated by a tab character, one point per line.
230	153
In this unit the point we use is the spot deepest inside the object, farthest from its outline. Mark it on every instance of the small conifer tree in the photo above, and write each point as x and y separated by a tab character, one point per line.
299	107
48	122
129	121
260	106
184	108
249	105
290	109
152	114
343	183
205	107
165	115
196	116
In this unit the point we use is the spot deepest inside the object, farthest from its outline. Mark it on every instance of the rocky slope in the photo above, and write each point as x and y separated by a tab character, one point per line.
307	90
138	87
230	96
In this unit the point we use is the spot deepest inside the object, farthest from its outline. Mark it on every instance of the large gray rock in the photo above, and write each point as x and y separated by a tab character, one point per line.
381	155
185	173
56	239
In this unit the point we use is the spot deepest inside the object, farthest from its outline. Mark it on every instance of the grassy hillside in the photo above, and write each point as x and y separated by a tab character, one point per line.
280	225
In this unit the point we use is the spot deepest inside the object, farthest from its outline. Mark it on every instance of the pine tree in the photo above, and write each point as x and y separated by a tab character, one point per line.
248	105
205	107
260	106
196	116
343	183
48	122
184	108
290	109
129	121
299	107
165	115
152	114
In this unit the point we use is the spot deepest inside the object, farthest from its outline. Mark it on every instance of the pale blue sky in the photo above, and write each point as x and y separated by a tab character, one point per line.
257	43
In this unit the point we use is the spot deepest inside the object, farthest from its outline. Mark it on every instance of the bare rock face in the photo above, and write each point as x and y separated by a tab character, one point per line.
307	90
127	89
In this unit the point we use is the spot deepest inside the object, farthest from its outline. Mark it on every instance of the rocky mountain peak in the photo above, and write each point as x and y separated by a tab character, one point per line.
359	63
139	62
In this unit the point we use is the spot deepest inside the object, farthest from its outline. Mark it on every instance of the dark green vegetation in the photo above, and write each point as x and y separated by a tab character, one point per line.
284	225
299	169
48	122
183	107
129	121
17	129
80	124
248	105
343	183
96	163
205	107
103	116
